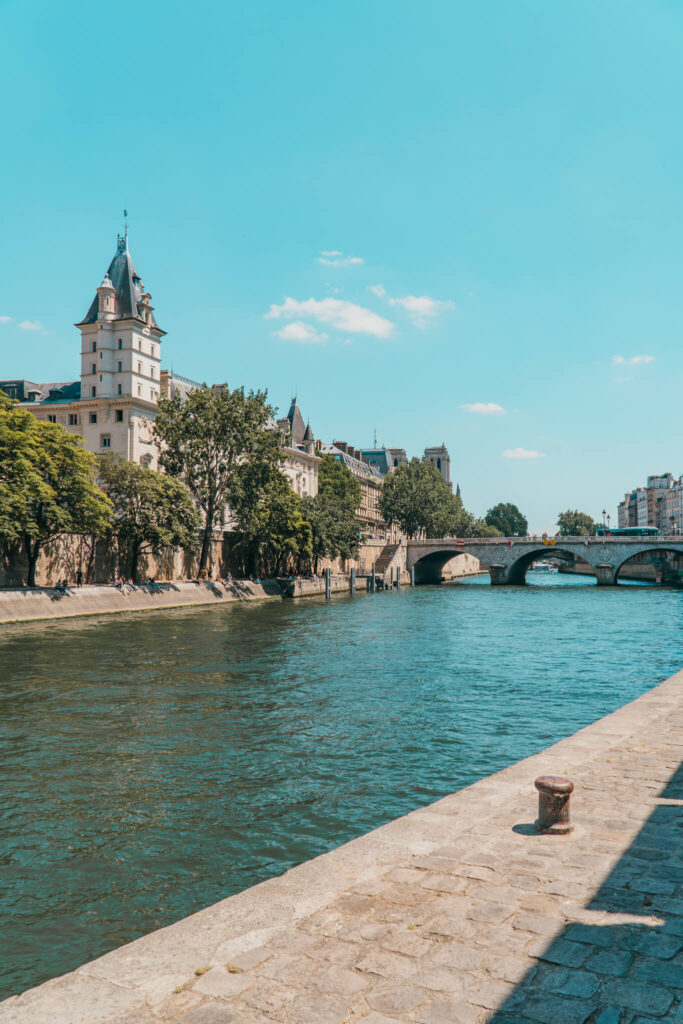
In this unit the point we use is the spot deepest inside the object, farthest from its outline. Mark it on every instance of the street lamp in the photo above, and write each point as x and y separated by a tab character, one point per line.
604	513
608	522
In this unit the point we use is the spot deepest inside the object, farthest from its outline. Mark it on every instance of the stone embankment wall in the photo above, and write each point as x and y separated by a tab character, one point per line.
457	912
644	572
462	565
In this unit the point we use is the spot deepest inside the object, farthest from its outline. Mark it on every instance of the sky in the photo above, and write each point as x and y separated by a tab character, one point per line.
443	222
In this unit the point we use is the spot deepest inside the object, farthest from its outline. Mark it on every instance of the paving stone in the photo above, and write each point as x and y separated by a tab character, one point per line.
441	979
493	913
657	944
539	924
608	1015
269	996
492	994
615	962
407	943
556	1010
339	981
571	983
566	954
639	996
250	959
444	883
211	1013
317	1010
659	972
395	998
446	1012
591	935
385	964
220	984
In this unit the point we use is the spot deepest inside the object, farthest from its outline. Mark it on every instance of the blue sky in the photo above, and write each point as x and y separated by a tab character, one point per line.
502	180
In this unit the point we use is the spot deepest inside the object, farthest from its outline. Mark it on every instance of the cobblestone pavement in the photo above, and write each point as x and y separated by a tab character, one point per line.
456	914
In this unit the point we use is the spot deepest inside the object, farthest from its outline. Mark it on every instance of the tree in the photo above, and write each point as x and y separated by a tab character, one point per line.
276	534
213	439
47	486
573	523
508	519
151	511
415	497
332	512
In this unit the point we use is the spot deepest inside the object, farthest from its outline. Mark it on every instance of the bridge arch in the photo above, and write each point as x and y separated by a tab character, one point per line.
516	572
665	567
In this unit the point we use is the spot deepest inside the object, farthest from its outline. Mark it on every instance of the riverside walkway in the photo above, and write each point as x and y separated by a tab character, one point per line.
457	913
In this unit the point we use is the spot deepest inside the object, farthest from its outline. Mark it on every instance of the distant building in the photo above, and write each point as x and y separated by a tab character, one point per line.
442	460
649	505
384	459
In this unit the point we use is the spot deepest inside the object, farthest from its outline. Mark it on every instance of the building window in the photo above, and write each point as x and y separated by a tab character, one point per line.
93	367
139	390
52	418
119	415
73	419
100	378
120	366
93	391
151	371
139	344
94	346
119	389
120	342
93	417
139	366
105	441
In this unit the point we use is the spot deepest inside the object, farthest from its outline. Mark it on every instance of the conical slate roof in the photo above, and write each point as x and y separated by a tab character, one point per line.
297	422
308	436
127	285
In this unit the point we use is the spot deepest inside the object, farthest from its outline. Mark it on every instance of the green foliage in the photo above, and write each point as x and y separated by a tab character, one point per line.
215	440
480	528
151	511
275	532
508	519
47	487
573	523
416	498
332	512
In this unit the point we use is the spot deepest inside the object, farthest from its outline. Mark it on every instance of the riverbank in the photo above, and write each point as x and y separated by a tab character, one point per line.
36	603
457	912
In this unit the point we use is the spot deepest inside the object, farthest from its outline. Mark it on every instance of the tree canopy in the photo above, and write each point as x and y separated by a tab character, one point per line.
507	518
573	523
416	498
215	440
275	532
151	511
332	512
47	485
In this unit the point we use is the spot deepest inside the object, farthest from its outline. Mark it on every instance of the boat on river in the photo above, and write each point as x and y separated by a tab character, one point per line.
543	566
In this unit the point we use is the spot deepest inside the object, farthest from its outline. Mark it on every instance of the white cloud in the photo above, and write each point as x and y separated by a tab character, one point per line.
300	332
5	319
485	408
522	453
347	316
422	309
633	361
333	258
378	289
31	325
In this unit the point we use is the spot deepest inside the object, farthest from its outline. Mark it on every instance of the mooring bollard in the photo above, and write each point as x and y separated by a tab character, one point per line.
398	578
373	580
352	581
328	583
412	576
553	804
392	578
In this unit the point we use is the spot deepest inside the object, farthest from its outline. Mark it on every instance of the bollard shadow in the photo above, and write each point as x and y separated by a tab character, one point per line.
616	971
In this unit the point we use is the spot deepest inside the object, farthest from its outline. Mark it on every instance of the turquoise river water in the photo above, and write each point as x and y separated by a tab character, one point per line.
153	764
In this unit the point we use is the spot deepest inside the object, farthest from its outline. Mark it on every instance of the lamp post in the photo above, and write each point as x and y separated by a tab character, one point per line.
604	513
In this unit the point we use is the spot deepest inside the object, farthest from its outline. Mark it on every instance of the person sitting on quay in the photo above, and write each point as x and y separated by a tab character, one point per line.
61	586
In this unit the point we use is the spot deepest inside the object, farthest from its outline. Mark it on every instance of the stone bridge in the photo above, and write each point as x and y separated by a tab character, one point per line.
507	559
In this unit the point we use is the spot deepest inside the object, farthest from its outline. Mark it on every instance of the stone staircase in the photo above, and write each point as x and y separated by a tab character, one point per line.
386	557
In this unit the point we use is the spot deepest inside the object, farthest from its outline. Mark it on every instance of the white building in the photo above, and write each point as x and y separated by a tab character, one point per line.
442	460
115	403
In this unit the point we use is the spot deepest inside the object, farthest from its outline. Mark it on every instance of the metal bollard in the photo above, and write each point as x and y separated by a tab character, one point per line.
352	582
392	577
373	580
412	576
398	578
328	583
553	805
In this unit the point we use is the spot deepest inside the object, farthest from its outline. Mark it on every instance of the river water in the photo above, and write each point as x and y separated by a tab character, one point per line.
153	764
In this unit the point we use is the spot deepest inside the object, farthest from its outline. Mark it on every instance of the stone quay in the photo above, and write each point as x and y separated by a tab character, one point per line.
458	913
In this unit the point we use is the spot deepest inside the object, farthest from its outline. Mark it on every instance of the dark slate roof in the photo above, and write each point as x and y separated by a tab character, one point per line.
128	286
308	436
296	422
